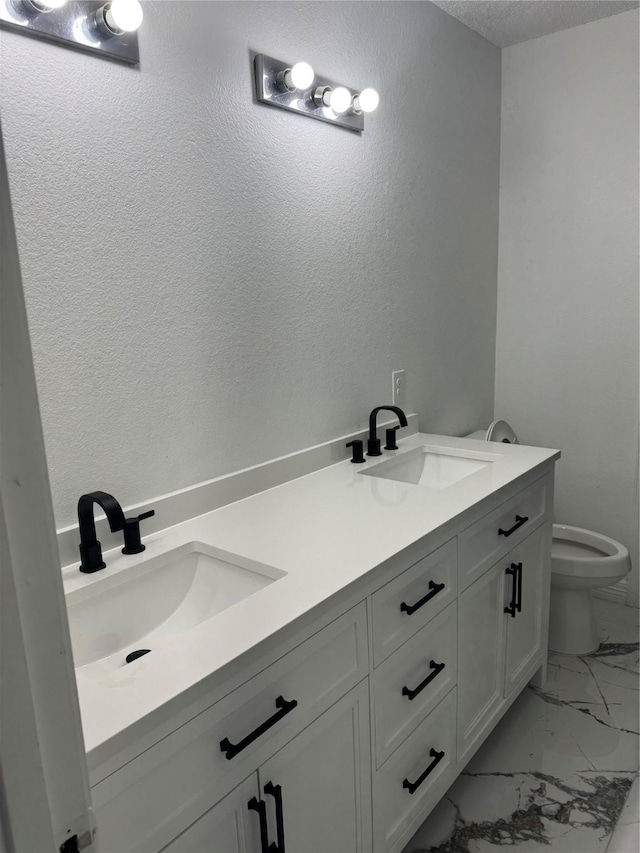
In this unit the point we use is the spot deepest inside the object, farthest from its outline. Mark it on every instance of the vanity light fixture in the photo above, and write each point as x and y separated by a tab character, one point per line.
293	88
102	28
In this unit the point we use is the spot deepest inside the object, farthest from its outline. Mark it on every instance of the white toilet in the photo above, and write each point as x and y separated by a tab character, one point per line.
581	560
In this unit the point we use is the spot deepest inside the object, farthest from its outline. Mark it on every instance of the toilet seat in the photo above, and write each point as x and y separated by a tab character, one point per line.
501	431
594	554
496	431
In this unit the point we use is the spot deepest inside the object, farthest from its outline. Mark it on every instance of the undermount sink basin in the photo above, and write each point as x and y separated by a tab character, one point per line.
432	467
163	597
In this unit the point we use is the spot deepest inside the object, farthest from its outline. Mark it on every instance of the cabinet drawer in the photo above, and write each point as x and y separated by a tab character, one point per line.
483	544
408	602
411	681
416	762
149	801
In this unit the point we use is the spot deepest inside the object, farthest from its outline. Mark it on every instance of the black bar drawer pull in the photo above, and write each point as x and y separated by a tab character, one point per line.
412	787
515	606
520	520
261	807
284	708
436	669
276	792
435	588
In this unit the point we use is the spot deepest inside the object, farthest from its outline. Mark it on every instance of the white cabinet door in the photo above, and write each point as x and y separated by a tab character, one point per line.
229	827
481	638
524	630
320	782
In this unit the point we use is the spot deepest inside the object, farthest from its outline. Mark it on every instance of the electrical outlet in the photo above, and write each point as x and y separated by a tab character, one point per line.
399	381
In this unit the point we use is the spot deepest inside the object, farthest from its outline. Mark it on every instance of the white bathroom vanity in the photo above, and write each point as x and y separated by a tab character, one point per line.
325	656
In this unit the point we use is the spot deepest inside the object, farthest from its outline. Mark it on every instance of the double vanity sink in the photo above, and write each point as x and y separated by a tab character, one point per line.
318	660
125	615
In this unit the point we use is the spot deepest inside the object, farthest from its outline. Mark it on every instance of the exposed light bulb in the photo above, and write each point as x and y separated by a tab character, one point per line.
302	75
123	16
340	99
299	77
367	100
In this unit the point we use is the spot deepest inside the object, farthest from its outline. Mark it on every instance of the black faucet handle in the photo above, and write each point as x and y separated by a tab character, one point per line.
391	438
143	515
358	448
132	542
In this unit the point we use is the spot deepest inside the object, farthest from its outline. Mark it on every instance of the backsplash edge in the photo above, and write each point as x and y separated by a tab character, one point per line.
184	504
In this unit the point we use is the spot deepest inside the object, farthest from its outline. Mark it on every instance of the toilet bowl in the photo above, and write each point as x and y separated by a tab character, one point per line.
581	561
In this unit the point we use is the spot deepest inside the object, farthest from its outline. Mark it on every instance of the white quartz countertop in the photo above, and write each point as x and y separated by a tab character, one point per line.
325	530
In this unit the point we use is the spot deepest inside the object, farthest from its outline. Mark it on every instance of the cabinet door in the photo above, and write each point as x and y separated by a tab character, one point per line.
323	780
524	630
481	633
229	827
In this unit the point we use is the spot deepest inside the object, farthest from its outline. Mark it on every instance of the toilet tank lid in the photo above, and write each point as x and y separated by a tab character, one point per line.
501	431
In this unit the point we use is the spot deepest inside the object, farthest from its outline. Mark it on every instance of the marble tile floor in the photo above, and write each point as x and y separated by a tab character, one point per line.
626	836
557	772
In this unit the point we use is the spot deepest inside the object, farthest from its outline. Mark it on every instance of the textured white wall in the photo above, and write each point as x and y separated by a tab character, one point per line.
567	339
211	282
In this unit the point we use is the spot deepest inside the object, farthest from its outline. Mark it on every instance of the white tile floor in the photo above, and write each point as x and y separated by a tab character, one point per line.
557	771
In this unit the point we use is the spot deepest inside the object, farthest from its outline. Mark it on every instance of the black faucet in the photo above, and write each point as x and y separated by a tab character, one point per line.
90	548
373	444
